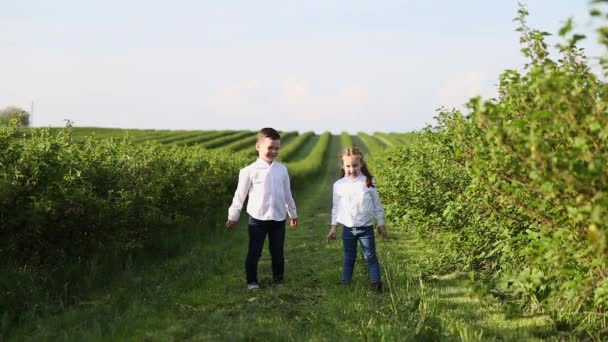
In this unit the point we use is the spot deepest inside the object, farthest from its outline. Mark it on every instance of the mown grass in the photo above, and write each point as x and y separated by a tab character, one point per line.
198	291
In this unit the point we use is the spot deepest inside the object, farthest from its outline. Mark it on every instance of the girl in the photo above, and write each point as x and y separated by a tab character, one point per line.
355	204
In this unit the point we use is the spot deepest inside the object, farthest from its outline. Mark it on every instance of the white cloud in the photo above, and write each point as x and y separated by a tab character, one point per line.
295	94
352	97
230	100
457	89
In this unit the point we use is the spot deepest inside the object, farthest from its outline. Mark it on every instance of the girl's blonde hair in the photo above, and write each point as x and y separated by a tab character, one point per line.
353	151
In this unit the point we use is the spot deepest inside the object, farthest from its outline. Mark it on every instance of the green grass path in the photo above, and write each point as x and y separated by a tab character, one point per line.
201	295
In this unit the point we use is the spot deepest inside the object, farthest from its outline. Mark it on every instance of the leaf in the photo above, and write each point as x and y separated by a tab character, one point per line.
595	126
564	30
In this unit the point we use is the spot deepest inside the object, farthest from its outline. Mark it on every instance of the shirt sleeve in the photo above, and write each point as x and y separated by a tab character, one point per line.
289	202
334	207
378	209
242	190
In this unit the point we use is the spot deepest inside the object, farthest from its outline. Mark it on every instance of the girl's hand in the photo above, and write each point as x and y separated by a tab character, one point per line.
332	233
231	224
293	222
382	230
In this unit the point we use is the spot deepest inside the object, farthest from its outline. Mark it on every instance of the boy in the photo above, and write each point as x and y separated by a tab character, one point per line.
267	184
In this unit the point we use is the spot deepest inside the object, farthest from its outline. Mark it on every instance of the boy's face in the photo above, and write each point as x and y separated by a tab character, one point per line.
268	149
352	166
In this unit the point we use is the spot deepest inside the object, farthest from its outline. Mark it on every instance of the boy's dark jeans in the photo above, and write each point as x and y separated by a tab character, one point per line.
276	238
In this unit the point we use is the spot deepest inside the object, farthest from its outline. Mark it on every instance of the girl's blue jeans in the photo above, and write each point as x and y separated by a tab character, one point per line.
258	230
365	236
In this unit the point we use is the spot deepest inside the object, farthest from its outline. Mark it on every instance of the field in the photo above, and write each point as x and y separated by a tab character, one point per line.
170	277
496	220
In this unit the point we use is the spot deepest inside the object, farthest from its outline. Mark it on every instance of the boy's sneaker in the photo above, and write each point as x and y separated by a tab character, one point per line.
343	283
253	286
376	287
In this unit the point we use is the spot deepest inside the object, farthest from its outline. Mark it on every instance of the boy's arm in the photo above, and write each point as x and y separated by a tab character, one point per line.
334	207
289	202
331	235
242	190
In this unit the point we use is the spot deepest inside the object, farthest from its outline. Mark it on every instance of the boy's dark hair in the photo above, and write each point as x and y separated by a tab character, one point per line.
268	132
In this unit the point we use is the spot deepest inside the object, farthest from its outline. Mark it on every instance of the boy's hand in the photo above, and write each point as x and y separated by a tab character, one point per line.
293	222
382	230
231	224
332	233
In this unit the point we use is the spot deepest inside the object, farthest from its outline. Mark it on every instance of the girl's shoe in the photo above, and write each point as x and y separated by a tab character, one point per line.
376	287
253	286
343	283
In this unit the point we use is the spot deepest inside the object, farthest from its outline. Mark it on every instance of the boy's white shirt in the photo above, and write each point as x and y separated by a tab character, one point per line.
269	192
354	204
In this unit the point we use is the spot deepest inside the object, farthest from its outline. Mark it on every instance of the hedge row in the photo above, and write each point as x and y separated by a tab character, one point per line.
66	198
301	169
515	190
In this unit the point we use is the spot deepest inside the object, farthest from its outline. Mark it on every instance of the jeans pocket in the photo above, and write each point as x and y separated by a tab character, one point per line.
253	222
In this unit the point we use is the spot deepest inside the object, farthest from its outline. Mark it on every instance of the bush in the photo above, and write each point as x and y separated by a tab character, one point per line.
15	113
61	198
517	187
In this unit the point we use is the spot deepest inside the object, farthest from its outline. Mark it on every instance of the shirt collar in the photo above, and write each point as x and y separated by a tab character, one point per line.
360	177
262	162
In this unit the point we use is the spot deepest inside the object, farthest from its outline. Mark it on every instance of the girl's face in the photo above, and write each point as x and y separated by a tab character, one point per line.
268	149
352	166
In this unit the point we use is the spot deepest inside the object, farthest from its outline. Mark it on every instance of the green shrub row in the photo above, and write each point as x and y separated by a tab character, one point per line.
226	139
294	146
515	190
177	136
346	140
62	198
202	138
301	169
373	144
392	139
152	135
247	144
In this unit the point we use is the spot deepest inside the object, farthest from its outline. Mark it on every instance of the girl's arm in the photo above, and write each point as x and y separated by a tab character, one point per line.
378	209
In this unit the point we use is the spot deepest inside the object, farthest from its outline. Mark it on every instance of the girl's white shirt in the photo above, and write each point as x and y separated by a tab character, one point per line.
269	191
354	204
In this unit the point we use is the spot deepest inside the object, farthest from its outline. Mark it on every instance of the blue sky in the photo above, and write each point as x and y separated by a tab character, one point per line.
352	65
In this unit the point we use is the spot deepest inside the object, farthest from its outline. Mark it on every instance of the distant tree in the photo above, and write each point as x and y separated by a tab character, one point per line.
9	113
